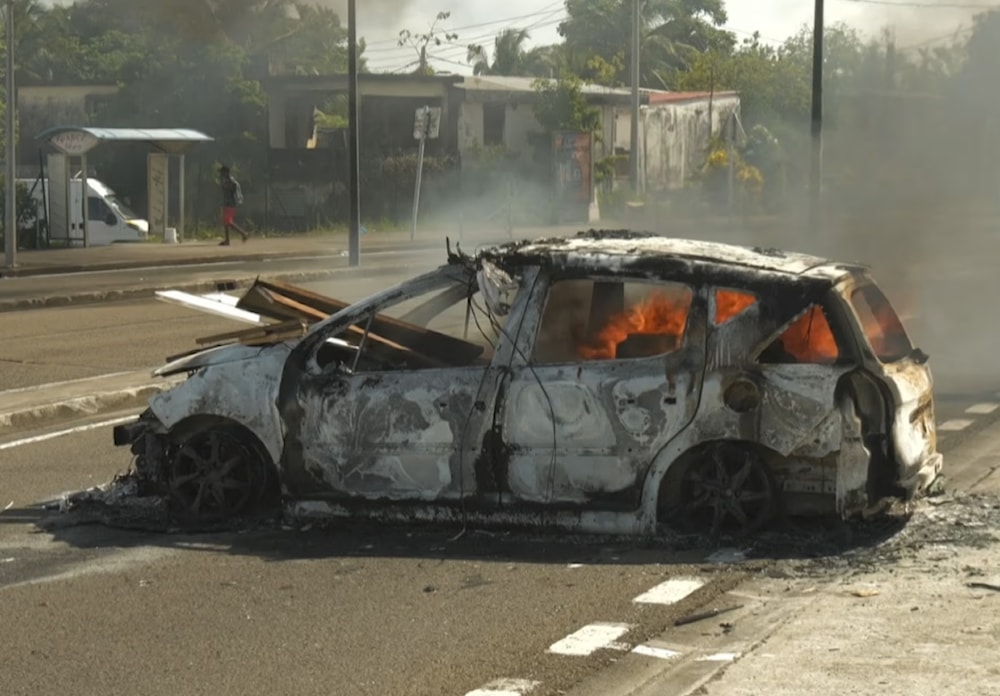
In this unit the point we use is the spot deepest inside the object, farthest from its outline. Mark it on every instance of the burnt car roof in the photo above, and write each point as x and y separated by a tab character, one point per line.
625	250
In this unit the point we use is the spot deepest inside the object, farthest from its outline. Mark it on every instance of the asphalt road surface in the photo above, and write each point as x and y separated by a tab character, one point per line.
347	609
42	346
361	609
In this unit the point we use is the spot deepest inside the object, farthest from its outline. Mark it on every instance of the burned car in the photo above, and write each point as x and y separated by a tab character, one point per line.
610	382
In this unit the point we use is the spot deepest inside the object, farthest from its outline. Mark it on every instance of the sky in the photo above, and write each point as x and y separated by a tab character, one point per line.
914	22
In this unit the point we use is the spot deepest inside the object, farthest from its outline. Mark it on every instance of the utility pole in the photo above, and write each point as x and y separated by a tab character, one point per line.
816	168
634	140
354	174
10	211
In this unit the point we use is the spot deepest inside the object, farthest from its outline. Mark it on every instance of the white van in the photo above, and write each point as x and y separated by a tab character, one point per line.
108	219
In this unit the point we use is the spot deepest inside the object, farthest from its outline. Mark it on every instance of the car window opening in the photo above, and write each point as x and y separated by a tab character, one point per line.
882	327
600	320
419	333
807	340
730	303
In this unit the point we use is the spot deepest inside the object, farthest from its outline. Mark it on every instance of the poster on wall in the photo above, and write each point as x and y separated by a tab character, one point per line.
157	185
574	173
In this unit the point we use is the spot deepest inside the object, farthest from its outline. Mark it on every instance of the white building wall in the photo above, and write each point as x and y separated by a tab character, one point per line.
675	139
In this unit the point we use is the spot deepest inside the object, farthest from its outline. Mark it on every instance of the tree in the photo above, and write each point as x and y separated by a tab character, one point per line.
509	56
598	36
421	41
561	105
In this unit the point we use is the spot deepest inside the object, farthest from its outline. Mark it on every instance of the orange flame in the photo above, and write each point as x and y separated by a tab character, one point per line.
658	314
810	339
729	303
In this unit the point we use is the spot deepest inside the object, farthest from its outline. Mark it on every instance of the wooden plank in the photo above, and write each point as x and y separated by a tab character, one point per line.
262	331
410	336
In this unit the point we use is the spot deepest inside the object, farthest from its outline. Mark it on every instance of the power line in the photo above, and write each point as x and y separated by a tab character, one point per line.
548	9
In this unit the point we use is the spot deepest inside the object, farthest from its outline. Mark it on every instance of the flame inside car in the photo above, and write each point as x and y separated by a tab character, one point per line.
658	317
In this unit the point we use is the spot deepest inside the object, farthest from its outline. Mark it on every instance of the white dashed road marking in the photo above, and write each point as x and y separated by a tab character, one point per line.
505	687
670	592
659	653
953	425
982	409
719	657
590	639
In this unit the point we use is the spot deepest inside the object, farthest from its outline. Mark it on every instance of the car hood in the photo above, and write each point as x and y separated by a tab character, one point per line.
212	356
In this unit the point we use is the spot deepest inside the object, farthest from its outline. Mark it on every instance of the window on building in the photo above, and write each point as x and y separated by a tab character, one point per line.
588	320
494	120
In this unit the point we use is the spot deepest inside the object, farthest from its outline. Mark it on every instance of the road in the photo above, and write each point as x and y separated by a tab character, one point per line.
63	343
348	609
361	609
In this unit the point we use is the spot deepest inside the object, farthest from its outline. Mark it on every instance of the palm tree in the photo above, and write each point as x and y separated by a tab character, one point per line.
509	56
673	32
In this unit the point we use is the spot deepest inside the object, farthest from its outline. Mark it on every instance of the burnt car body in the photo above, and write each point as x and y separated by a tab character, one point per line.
609	382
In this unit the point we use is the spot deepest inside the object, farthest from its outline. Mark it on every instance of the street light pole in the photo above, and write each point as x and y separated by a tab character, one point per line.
353	175
816	168
634	169
10	210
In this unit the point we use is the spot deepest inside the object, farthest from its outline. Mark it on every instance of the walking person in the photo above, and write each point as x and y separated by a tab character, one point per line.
232	196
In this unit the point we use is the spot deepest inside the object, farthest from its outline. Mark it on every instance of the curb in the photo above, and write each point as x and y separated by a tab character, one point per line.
80	407
124	294
209	260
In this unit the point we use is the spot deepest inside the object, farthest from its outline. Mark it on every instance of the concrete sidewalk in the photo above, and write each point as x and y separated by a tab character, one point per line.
152	254
60	402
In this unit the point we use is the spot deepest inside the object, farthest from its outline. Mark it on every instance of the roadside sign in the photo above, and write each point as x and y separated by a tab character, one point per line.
427	122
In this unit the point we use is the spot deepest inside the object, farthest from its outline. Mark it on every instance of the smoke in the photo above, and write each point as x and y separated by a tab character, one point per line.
917	23
376	12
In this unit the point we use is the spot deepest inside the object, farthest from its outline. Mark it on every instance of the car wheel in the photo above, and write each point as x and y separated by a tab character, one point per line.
727	489
215	474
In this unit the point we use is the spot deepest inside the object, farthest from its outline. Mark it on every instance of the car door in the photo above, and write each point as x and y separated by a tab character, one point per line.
609	372
415	432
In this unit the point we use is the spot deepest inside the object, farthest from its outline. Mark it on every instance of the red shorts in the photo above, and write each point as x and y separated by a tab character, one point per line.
228	216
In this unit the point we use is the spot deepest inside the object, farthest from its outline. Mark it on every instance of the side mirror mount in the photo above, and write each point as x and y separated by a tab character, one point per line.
920	357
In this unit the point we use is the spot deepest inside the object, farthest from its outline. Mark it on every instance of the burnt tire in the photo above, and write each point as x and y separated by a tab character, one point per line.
727	489
217	474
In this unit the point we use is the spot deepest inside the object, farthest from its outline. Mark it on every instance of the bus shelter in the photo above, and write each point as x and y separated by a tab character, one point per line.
73	143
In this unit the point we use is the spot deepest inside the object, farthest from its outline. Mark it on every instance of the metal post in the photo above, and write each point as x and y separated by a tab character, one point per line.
85	202
10	216
181	221
816	168
425	114
634	140
353	176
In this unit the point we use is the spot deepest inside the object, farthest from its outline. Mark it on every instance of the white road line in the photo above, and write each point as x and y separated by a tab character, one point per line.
659	653
953	425
68	382
670	592
982	409
590	639
505	687
61	433
719	657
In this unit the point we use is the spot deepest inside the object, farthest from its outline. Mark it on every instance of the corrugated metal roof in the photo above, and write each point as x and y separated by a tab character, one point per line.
152	135
663	97
502	83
